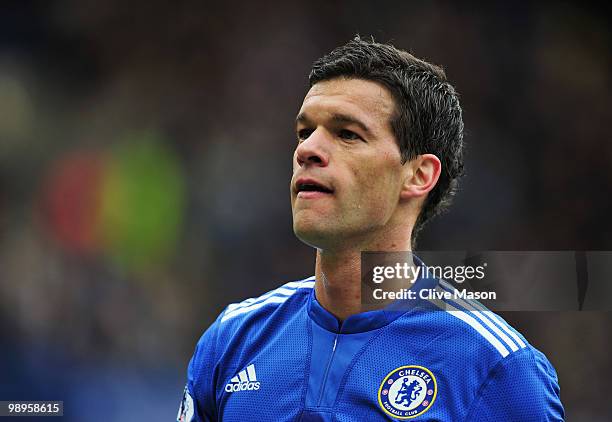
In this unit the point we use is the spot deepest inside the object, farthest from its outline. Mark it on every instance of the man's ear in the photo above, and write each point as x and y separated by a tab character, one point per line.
421	175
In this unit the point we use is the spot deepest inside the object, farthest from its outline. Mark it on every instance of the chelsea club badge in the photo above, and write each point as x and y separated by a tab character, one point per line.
407	392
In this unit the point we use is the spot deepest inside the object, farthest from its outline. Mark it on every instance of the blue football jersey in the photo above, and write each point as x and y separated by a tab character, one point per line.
283	357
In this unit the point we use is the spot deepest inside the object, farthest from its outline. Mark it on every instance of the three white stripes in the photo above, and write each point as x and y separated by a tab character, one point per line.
492	321
275	296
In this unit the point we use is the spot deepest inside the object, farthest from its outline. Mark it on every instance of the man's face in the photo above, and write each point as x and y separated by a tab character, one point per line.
347	170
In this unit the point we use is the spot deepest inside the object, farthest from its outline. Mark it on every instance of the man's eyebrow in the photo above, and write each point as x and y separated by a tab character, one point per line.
336	118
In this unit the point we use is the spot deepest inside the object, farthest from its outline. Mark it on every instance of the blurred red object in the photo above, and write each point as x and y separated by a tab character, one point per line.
71	197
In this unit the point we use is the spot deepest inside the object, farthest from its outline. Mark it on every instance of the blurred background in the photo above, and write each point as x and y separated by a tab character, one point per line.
145	158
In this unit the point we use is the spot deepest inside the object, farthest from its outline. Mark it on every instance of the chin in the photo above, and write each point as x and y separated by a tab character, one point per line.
311	234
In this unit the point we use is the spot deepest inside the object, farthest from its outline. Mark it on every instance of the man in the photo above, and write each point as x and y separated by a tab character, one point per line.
379	153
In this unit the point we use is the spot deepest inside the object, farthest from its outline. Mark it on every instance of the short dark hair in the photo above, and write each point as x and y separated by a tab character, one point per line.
427	119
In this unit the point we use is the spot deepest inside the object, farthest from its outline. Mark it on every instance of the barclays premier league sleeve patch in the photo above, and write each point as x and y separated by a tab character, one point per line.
407	392
185	413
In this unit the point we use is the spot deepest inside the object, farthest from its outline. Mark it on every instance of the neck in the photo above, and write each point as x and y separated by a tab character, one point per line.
338	278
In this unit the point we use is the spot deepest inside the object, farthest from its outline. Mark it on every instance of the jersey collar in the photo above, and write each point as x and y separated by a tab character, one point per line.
371	320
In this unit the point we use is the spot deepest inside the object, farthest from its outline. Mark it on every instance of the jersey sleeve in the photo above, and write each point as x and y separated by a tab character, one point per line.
523	387
198	403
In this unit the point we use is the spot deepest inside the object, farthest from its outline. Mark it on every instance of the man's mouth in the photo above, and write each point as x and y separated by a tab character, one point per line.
308	188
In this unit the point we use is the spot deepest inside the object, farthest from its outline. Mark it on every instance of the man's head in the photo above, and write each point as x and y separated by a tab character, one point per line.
383	131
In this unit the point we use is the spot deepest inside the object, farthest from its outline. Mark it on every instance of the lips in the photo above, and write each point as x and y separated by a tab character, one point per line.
307	187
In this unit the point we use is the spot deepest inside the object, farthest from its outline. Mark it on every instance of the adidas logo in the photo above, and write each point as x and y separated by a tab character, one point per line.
246	380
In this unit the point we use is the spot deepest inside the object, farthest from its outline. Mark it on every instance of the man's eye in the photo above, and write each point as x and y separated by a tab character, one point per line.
347	134
303	134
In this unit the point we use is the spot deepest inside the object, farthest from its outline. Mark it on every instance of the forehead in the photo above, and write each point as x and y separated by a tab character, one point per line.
367	100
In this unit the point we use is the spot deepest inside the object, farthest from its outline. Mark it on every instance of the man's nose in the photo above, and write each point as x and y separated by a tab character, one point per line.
313	150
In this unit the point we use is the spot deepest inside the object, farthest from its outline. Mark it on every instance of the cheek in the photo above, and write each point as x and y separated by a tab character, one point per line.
378	188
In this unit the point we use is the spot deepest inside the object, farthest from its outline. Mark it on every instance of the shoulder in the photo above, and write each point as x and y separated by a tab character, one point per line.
239	322
512	380
251	313
476	329
269	301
